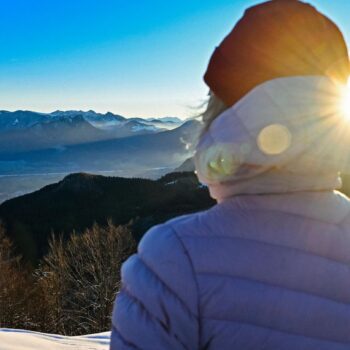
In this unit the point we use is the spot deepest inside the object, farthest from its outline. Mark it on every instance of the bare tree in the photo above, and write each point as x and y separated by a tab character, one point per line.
81	277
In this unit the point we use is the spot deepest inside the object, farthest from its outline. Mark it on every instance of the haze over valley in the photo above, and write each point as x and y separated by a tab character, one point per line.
37	149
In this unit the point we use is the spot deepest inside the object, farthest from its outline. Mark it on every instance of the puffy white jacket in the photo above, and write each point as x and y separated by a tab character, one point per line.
268	267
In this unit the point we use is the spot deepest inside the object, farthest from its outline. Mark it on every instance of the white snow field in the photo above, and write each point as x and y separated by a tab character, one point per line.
17	339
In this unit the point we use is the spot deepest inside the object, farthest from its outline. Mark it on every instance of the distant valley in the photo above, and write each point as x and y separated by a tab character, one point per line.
37	149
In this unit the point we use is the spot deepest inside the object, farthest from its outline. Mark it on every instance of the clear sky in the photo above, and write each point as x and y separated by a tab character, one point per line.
132	57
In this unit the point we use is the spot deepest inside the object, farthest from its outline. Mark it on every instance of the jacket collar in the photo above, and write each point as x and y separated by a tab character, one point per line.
276	182
331	207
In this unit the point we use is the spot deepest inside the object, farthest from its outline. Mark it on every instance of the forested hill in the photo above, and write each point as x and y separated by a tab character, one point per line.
79	200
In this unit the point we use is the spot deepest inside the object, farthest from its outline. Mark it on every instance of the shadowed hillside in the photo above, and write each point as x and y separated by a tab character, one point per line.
79	200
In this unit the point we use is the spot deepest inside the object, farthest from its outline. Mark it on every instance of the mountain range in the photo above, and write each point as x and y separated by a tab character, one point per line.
23	131
37	149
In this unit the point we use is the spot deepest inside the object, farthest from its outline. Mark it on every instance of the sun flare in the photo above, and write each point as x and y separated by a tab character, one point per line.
345	103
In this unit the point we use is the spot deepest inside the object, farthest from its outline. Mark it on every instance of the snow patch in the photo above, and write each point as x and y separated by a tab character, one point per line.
14	339
171	183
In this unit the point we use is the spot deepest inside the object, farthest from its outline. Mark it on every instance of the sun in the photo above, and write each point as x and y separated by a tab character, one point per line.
345	101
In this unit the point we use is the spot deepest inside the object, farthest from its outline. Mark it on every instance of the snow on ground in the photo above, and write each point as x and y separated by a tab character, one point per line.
17	339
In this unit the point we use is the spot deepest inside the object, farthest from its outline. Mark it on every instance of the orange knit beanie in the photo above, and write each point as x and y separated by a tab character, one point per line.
278	38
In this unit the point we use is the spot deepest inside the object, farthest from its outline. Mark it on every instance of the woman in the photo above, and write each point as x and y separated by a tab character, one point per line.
268	267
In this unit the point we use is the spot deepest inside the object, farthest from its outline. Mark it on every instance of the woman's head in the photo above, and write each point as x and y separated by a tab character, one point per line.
279	38
274	121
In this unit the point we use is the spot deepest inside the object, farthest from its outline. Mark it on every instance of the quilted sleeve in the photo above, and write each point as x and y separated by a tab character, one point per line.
157	307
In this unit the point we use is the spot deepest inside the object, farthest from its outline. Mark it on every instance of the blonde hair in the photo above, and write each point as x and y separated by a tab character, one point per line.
214	107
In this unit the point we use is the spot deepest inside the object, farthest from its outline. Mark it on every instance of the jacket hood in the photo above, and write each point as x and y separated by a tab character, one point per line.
286	135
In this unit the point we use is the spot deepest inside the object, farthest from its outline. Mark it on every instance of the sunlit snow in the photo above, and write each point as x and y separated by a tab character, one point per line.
16	339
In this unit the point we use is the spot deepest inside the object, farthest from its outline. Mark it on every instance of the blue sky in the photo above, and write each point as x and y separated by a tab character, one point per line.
136	58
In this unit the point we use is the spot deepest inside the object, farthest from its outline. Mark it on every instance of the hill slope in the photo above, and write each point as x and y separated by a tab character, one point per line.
79	200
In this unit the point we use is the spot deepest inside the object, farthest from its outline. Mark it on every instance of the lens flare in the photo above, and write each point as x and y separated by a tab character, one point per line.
274	139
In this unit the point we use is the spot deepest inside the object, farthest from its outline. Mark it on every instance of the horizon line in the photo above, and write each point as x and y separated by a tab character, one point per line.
94	111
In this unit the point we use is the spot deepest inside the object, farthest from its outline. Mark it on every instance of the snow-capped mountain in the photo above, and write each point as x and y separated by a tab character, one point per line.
20	120
22	131
98	120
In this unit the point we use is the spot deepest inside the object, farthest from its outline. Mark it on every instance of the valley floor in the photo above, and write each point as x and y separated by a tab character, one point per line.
16	339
